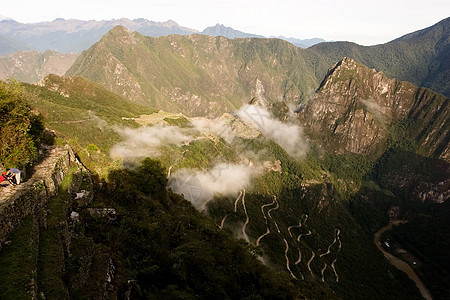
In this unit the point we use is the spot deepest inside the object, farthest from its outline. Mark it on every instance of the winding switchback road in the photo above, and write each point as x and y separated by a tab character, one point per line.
287	258
247	219
237	201
274	208
309	263
265	219
323	272
223	221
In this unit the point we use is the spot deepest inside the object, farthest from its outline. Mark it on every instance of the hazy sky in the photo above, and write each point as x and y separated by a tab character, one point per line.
363	22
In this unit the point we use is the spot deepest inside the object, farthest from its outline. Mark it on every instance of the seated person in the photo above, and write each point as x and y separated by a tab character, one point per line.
12	176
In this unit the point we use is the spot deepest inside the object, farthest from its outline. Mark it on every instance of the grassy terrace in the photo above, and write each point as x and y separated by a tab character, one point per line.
32	251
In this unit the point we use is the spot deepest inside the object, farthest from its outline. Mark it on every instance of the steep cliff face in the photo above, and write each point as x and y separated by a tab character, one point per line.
355	107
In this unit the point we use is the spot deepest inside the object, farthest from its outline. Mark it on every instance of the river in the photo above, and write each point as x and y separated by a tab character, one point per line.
398	263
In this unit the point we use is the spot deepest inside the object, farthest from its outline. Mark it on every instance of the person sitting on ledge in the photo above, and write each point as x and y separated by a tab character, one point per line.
12	176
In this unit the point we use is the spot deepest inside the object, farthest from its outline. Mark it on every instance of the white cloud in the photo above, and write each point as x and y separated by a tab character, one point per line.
288	136
146	141
199	187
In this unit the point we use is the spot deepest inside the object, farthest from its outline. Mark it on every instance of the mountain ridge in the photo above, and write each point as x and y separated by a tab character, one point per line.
355	107
76	35
184	71
33	66
420	58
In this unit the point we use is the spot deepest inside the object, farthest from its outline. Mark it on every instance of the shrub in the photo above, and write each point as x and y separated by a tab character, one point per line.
21	128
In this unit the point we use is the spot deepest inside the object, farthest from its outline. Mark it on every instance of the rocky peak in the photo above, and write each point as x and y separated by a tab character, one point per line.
354	107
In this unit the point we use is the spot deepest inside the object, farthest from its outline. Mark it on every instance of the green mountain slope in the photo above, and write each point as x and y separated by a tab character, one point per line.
78	109
197	74
421	57
203	75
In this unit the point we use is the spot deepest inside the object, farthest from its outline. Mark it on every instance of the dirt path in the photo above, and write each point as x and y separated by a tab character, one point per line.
247	219
333	267
223	221
299	260
323	272
265	219
336	236
237	201
303	234
287	258
398	263
274	208
309	263
294	226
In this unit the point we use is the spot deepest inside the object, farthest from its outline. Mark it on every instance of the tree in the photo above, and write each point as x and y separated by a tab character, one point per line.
20	127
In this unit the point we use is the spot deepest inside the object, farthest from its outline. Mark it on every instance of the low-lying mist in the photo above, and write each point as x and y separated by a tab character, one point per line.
144	142
199	187
289	136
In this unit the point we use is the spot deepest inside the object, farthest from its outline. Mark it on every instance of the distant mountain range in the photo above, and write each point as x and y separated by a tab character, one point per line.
67	36
206	76
33	66
228	32
333	145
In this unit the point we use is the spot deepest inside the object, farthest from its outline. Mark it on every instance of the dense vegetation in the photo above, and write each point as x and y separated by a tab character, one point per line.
157	245
167	249
21	128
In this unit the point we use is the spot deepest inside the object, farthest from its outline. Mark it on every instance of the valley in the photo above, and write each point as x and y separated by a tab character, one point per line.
233	169
398	263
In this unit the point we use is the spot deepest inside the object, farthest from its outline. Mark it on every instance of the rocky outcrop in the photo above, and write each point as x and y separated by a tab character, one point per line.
354	108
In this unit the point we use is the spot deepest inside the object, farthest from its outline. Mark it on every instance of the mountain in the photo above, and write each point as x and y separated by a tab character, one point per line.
10	45
302	43
228	32
32	66
292	217
308	166
355	108
67	36
197	75
421	58
203	75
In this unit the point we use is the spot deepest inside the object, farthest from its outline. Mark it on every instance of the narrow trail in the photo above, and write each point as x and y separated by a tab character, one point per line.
287	259
237	200
265	219
303	220
223	221
336	236
309	263
274	208
294	226
247	220
299	260
338	232
323	272
303	234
